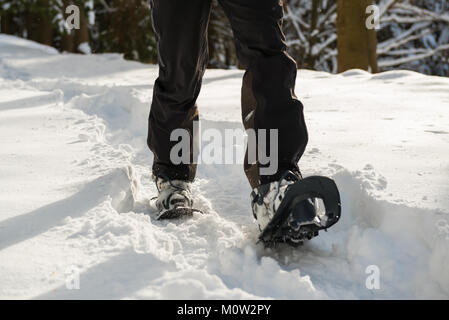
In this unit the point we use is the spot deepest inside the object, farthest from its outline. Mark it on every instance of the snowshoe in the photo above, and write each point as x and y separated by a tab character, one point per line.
174	199
293	209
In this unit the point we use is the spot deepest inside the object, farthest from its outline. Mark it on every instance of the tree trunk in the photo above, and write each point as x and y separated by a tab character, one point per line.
44	30
82	34
6	23
67	35
309	62
372	50
30	18
43	23
356	44
67	42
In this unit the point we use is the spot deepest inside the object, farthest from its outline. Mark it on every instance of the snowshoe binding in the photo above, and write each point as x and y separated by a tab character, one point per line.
174	199
294	209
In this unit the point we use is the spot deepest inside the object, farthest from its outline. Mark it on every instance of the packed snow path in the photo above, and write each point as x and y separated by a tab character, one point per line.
73	153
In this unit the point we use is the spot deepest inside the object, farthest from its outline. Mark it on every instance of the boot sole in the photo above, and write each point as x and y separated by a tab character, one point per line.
177	213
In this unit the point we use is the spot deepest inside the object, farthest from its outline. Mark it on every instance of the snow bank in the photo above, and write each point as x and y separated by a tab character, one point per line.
13	44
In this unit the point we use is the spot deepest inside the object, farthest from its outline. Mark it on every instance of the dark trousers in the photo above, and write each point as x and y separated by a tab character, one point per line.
268	98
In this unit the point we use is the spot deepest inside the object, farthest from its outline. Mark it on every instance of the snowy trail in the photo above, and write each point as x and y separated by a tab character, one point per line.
73	154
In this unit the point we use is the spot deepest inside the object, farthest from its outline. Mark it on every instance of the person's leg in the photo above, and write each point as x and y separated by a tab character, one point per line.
268	98
181	33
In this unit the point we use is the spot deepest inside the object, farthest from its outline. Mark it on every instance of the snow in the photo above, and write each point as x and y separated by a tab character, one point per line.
85	48
76	182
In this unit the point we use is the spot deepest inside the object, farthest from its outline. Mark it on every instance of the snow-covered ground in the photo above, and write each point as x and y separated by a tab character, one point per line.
73	153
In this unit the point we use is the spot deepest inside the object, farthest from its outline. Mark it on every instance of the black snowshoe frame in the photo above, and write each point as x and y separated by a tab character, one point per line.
297	206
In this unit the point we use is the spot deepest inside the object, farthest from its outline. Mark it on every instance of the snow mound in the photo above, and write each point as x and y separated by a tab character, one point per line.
14	44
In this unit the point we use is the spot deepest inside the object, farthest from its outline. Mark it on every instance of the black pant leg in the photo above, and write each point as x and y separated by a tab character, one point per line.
181	33
268	98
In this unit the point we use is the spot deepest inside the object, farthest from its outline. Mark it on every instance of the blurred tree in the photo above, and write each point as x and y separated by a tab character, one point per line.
40	16
76	40
356	43
66	35
414	35
81	37
220	40
9	13
125	26
310	30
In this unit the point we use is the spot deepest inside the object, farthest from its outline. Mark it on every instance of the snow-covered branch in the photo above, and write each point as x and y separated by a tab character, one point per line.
412	57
